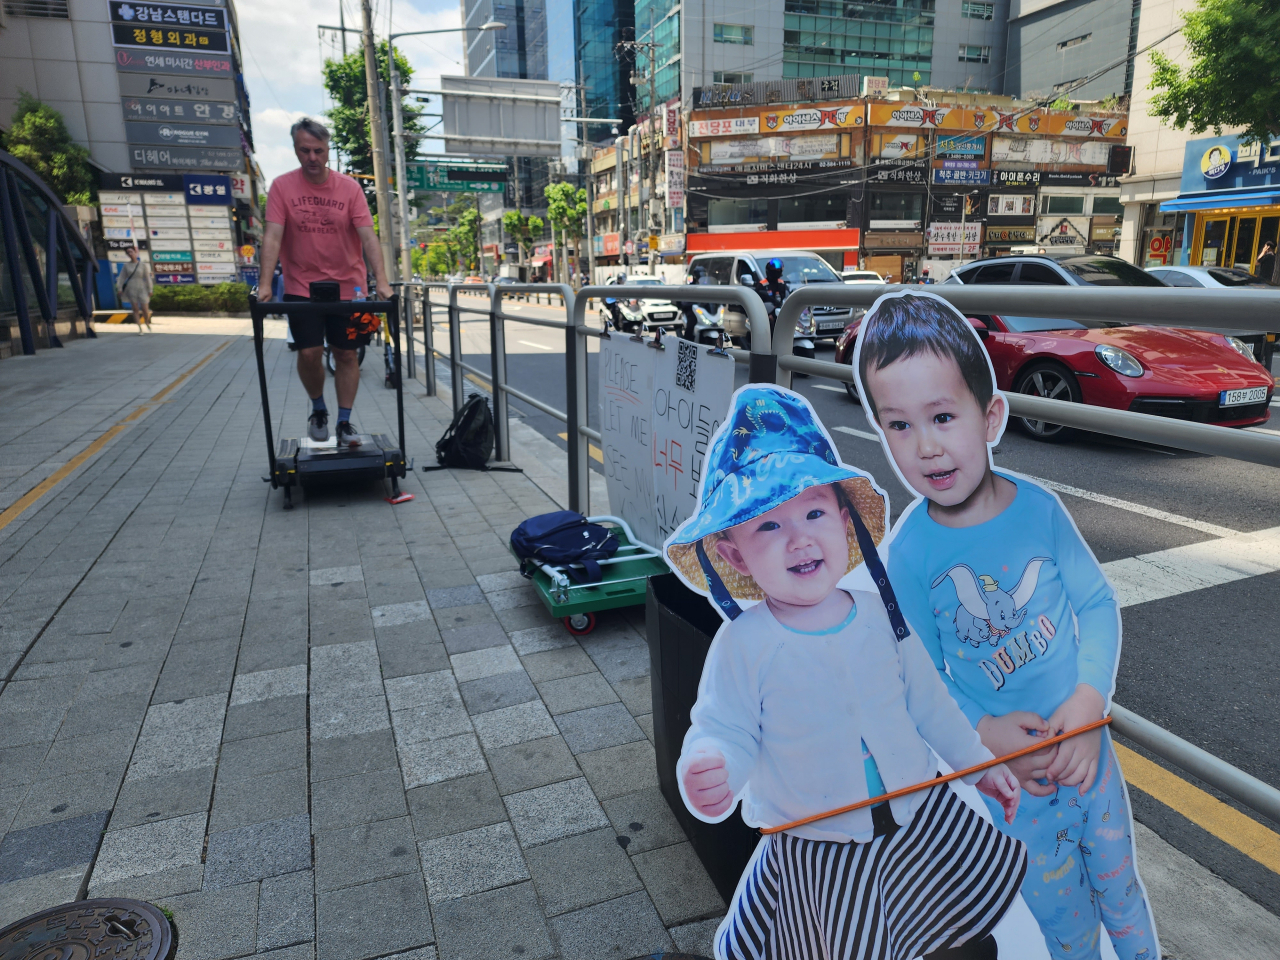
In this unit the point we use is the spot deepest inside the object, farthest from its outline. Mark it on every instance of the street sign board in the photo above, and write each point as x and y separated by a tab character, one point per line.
457	177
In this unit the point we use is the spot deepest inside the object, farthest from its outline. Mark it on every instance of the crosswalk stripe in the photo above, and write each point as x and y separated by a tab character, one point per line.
1202	526
1196	566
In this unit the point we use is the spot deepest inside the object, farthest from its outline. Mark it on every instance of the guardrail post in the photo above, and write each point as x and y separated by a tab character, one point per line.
498	368
406	304
428	343
455	347
575	361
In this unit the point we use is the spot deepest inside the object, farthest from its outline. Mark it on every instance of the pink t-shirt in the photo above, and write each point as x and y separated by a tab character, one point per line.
320	239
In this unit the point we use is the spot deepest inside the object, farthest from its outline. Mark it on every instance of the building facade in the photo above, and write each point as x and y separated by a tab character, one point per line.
1054	45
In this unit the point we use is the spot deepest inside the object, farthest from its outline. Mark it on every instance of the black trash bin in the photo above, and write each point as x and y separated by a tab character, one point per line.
680	625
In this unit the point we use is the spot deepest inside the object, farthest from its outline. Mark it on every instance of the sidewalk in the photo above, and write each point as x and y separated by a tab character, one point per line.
346	731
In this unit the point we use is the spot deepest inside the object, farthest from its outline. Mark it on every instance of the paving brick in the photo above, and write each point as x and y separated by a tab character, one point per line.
525	595
598	727
351	755
536	763
346	670
488	662
494	693
433	691
262	717
637	694
368	851
403	656
364	798
395	614
698	938
178	736
619	653
615	771
554	811
507	580
258	756
472	637
286	911
437	760
150	848
268	684
21	764
261	850
466	863
576	693
643	821
455	806
269	796
499	923
645	723
50	847
567	661
73	795
678	884
342	717
624	927
512	725
172	882
333	575
578	871
541	639
373	919
201	921
20	898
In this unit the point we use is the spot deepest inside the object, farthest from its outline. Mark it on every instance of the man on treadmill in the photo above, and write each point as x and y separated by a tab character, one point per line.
319	228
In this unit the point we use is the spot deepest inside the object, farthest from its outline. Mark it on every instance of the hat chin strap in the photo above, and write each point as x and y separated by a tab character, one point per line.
719	593
722	599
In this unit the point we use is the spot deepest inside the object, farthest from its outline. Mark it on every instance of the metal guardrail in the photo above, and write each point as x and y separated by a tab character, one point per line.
1178	307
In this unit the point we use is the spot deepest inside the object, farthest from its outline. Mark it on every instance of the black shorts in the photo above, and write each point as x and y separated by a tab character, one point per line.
336	330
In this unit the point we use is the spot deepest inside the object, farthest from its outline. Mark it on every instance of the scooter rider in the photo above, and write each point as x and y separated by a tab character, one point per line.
612	303
773	290
697	277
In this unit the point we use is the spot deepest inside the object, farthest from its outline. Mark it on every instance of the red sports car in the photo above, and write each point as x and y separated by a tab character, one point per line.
1185	374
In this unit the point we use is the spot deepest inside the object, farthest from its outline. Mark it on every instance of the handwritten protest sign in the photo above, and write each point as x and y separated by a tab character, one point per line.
626	409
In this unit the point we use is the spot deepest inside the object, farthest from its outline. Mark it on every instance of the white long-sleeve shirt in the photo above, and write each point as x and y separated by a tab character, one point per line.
787	710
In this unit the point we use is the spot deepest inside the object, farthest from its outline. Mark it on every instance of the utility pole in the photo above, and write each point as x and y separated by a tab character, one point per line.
402	185
376	133
342	27
650	215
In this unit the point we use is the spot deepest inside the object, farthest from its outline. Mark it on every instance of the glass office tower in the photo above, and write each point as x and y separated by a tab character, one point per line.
599	25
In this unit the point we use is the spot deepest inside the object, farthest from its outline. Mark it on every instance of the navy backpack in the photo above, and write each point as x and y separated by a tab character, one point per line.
562	538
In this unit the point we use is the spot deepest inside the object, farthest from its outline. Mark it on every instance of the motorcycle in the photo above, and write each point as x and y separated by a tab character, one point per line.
736	325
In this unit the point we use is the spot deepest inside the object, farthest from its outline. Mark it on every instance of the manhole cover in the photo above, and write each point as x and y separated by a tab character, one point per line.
89	929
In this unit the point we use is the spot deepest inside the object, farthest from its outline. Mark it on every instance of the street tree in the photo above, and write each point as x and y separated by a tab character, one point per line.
567	210
462	241
344	80
523	229
38	137
1233	75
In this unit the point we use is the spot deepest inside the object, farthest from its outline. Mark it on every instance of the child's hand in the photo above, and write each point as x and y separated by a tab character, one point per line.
706	784
1001	785
1013	732
1077	759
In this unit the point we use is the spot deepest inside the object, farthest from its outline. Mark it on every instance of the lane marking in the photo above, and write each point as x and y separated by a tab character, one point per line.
1274	433
530	343
1210	528
864	434
1196	566
1204	810
827	386
596	455
19	506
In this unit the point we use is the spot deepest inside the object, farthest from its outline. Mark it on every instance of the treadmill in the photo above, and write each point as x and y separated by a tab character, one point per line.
303	462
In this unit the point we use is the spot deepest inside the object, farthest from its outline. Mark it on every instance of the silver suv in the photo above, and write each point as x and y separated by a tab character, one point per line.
799	268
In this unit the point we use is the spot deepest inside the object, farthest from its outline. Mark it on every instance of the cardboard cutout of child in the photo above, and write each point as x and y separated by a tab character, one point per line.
816	697
1019	620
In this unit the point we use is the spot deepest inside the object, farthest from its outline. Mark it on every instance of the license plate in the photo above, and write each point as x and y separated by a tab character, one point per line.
662	316
836	325
1232	398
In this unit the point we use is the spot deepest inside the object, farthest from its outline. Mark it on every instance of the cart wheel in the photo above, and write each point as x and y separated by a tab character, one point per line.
580	624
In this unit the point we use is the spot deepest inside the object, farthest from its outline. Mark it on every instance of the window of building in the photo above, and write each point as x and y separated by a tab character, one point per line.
733	33
974	54
975	10
1075	41
724	76
1067	205
727	213
1105	205
897	206
820	208
51	9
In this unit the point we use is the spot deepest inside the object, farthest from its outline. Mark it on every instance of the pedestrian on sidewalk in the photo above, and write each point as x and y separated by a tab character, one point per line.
1265	268
319	228
134	284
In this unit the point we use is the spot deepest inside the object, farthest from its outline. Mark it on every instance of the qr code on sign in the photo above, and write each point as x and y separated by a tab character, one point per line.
687	365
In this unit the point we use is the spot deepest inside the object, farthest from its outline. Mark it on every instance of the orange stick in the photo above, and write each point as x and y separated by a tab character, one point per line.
904	791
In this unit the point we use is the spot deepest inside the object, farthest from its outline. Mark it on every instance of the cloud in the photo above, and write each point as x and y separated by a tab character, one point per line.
283	57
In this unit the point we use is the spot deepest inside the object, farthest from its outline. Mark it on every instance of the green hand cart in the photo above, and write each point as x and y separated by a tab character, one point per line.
623	582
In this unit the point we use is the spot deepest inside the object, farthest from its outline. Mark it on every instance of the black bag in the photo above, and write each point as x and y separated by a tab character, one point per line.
563	538
468	443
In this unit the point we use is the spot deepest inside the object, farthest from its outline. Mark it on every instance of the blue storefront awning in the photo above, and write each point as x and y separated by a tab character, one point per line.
1222	199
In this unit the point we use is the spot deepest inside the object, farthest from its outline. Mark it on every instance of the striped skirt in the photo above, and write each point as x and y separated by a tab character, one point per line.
943	880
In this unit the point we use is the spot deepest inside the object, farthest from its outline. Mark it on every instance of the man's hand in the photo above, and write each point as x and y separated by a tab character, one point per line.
385	290
706	784
1002	786
1077	759
1016	731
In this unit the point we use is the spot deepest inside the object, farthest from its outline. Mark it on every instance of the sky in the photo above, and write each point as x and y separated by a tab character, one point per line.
283	56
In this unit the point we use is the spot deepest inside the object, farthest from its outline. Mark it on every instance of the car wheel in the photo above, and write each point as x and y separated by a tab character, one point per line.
1053	382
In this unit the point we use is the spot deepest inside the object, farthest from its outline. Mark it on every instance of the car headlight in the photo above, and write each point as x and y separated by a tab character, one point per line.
1121	361
1239	346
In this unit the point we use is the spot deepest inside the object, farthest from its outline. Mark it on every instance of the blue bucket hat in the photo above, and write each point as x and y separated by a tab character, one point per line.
770	448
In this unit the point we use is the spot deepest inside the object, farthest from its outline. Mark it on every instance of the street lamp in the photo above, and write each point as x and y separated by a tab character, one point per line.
406	261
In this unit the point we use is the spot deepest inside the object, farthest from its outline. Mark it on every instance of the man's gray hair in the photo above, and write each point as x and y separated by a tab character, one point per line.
313	127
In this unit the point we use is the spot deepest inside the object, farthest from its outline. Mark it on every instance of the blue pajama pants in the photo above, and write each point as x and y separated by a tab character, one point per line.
1081	876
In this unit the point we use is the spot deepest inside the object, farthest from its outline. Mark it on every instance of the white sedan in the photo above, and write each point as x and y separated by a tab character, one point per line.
861	276
1178	276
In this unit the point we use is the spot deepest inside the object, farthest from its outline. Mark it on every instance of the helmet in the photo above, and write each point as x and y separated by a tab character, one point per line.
620	278
697	272
773	270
